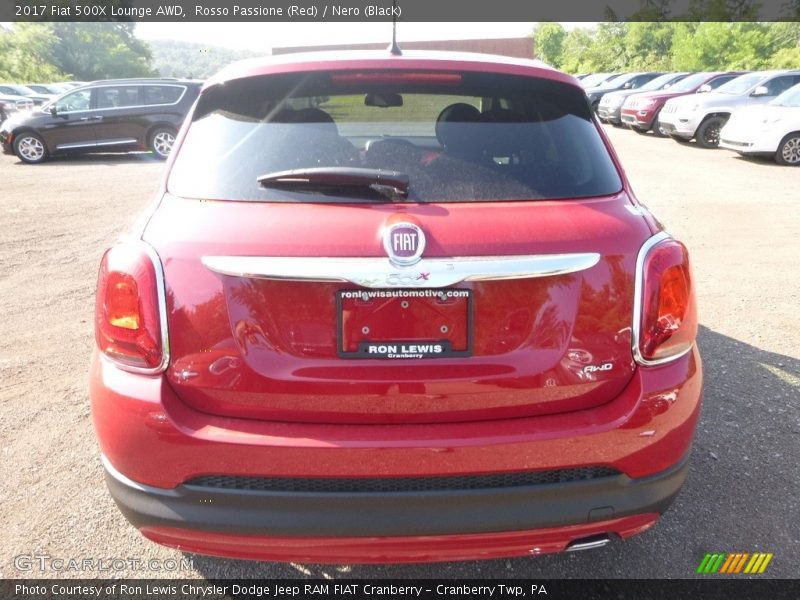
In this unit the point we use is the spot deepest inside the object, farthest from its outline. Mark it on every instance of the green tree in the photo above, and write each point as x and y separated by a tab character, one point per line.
648	46
576	55
711	46
785	58
609	47
723	10
549	43
25	54
49	51
652	11
100	50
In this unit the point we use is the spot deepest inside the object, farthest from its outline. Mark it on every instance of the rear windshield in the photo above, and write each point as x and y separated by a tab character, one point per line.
457	137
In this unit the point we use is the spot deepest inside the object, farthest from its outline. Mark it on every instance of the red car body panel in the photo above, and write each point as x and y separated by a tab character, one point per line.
520	353
644	430
256	386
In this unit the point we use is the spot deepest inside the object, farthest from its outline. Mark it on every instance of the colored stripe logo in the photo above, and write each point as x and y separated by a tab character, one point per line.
734	563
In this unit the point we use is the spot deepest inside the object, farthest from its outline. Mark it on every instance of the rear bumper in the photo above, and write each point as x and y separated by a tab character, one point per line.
155	445
396	513
429	548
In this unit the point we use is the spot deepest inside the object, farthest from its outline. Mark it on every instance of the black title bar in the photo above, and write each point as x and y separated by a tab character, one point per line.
398	589
382	10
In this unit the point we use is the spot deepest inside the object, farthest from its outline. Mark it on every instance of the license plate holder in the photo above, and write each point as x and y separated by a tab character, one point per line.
404	324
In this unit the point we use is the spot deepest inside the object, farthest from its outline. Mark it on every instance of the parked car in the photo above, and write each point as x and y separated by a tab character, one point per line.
111	115
610	107
53	89
626	81
68	85
13	104
771	129
640	112
394	308
597	79
701	117
22	90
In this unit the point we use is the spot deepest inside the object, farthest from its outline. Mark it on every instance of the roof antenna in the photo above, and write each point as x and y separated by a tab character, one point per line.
393	47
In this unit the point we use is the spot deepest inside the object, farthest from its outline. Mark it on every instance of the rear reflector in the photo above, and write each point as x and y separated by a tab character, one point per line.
130	323
667	320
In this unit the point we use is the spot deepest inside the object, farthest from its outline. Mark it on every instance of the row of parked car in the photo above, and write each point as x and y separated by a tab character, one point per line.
15	97
110	115
753	113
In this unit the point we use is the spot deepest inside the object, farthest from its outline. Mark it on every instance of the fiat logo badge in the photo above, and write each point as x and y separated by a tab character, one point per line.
404	243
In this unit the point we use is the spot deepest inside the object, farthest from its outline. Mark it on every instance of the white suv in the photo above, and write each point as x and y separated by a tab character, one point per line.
703	116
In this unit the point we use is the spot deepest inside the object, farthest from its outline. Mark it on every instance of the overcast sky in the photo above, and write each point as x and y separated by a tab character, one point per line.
262	37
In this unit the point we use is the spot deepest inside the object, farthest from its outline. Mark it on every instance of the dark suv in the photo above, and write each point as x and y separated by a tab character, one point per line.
111	115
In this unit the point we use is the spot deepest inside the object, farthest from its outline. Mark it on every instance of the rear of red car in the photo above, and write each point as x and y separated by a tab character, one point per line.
394	308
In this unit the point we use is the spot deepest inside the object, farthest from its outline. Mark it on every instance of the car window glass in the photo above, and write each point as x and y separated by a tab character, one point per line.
488	137
616	81
162	94
688	83
76	101
117	96
639	81
740	84
790	97
779	85
659	82
720	81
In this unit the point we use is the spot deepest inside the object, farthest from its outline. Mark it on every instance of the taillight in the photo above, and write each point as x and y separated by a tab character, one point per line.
130	324
665	317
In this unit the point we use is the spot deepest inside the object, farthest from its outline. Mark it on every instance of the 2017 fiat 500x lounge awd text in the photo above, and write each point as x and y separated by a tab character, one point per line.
394	308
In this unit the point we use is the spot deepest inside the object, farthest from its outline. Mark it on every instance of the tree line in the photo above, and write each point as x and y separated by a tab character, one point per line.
669	46
42	52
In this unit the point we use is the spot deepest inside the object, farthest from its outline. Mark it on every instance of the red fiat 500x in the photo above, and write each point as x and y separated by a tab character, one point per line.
394	308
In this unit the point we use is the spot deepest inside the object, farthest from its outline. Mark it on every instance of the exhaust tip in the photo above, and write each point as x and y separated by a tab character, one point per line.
588	543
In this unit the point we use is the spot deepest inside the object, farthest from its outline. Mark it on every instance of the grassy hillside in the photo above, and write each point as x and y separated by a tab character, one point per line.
190	59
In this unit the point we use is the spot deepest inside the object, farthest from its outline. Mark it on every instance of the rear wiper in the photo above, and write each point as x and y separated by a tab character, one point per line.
340	180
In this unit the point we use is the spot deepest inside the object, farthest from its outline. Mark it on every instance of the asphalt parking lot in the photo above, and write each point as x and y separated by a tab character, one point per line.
739	218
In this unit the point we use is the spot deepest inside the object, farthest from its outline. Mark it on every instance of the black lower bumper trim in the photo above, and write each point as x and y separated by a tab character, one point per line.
324	514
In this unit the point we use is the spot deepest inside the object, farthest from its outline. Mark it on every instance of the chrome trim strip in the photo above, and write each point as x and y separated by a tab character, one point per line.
95	144
75	145
118	142
127	482
162	313
638	291
381	273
